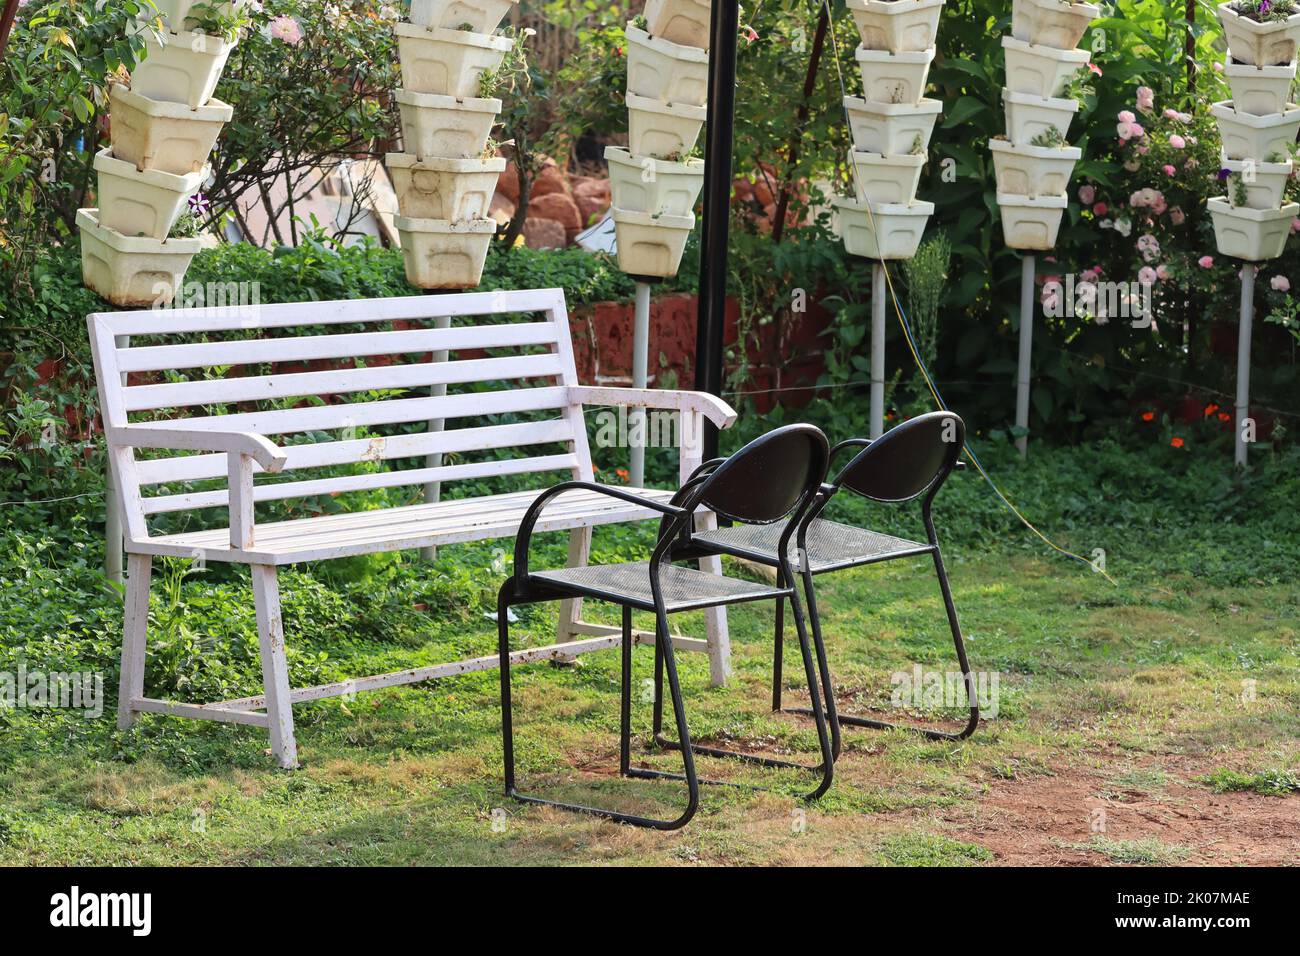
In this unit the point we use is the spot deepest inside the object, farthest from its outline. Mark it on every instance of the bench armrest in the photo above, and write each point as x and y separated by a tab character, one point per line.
710	406
261	450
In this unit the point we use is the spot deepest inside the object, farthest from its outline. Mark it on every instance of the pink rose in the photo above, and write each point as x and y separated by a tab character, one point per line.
1087	194
1124	131
1147	275
1162	272
1205	261
1126	116
1295	225
1146	98
1101	209
1169	170
1176	216
1280	284
286	28
1137	129
1177	142
1171	114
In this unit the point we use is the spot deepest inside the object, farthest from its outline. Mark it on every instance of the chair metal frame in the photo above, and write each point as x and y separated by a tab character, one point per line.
927	492
700	493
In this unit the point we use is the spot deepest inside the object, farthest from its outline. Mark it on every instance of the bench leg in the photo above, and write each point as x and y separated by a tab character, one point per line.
134	630
715	620
571	608
275	669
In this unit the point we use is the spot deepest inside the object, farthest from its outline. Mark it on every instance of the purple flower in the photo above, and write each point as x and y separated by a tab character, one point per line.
1224	174
199	204
1264	6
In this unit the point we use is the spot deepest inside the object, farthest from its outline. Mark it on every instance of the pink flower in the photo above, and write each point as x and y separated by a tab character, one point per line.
1177	142
1176	216
1218	67
1138	131
1169	170
750	34
1280	284
1101	209
1295	225
1205	261
1087	194
1147	275
1162	272
1146	98
1094	68
1171	113
286	28
1124	131
1126	116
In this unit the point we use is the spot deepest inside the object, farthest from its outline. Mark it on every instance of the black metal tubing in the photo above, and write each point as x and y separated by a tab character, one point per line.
719	138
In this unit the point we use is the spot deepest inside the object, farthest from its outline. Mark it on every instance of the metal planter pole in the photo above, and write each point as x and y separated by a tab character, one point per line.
1027	267
1243	359
877	349
640	367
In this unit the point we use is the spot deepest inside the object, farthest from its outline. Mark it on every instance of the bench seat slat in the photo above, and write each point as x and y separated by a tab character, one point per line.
383	479
413	526
290	348
298	384
380	448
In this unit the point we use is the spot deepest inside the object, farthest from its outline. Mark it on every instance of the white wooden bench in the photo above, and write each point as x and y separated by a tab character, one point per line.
212	382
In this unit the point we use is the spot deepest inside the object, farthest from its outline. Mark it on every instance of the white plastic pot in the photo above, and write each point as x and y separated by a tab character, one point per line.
882	230
1264	182
660	69
654	186
479	16
183	68
141	203
650	245
899	26
1040	70
1259	138
458	190
1033	170
892	129
894	77
444	255
1251	234
1259	90
1029	116
681	21
176	13
1031	224
154	134
885	179
444	127
1259	44
662	130
1056	23
130	270
446	62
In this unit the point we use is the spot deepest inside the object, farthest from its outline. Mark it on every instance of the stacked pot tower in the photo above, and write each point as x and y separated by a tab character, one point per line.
891	125
1258	129
655	182
1034	162
164	125
446	174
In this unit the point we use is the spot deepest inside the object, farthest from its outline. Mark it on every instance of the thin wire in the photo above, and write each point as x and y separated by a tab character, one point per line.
916	357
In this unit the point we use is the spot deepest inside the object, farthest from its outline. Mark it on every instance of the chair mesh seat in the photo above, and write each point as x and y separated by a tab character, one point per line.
683	588
830	544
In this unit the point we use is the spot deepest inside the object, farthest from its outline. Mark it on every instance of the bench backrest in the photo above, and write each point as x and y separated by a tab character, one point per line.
343	399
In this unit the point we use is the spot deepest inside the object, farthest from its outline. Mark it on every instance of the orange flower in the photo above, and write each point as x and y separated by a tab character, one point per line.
1224	417
1148	416
1210	409
1176	442
622	473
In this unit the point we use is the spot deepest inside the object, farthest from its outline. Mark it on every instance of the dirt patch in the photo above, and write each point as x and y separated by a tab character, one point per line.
1127	812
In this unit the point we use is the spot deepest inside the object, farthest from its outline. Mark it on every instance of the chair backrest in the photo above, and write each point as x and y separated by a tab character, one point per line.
344	386
908	459
765	480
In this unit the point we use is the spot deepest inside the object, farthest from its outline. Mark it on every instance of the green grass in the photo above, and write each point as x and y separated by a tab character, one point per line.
1270	783
1137	852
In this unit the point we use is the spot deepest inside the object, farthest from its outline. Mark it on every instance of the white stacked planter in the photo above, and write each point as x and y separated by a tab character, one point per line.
653	183
1258	129
891	125
163	129
443	181
1041	59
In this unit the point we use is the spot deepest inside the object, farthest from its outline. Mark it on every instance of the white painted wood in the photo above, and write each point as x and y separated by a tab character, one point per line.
233	443
579	555
712	407
275	669
241	502
433	489
200	712
717	635
135	624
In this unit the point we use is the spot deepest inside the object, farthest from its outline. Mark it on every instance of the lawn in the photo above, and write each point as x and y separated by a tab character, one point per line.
1151	722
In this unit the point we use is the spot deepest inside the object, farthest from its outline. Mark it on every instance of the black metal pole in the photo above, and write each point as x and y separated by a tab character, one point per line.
723	30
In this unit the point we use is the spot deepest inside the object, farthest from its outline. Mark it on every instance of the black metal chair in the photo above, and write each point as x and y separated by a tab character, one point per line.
774	477
910	461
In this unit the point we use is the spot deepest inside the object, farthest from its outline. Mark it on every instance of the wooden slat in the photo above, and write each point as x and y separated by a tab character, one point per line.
295	348
382	448
200	712
299	384
393	411
386	479
333	312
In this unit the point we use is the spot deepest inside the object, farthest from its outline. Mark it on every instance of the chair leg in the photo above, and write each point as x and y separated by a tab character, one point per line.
504	601
134	635
967	678
275	668
825	768
778	651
